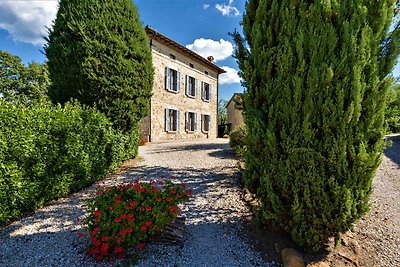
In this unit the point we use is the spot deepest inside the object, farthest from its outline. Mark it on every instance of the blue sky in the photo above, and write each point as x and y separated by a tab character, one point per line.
202	25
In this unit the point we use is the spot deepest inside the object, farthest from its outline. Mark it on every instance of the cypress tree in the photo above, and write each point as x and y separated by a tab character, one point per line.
316	77
99	53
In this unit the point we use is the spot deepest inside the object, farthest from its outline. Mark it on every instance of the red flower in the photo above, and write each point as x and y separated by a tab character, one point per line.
173	191
95	230
159	199
132	203
172	208
96	243
110	208
180	195
118	197
129	230
144	227
130	216
141	208
162	176
183	185
148	208
148	223
122	232
117	220
123	216
169	199
141	246
98	220
81	235
104	238
104	248
161	183
99	257
97	213
118	250
155	190
188	192
118	240
117	201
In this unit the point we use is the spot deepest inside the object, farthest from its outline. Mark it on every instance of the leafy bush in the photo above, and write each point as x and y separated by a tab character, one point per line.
47	152
126	215
392	113
237	141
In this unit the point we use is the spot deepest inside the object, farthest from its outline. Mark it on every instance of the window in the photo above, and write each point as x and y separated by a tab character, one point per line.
205	123
191	121
172	80
171	120
191	86
206	91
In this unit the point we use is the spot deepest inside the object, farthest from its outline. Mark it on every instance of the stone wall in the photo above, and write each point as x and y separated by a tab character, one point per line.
163	99
235	116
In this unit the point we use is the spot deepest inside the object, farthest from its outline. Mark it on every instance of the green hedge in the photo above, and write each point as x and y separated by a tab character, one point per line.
237	141
49	151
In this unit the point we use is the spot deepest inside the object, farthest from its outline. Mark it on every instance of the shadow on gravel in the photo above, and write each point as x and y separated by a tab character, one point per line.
223	151
393	152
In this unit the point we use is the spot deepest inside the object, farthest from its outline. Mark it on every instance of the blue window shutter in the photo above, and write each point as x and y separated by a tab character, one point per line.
195	122
187	85
210	86
167	79
196	85
167	120
178	81
178	120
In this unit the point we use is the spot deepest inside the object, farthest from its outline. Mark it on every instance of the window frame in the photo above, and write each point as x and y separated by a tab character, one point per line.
172	126
172	80
206	87
203	128
188	125
191	85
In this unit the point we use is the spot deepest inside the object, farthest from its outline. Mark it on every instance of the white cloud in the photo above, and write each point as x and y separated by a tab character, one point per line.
227	10
231	76
205	6
26	21
207	47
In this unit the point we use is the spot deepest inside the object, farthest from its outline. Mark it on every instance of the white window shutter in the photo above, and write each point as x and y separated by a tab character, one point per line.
210	86
196	85
202	90
202	122
187	85
178	124
167	79
195	122
167	120
209	123
178	81
186	121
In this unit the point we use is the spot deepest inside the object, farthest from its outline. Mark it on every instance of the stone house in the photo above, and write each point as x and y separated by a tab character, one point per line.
185	93
234	115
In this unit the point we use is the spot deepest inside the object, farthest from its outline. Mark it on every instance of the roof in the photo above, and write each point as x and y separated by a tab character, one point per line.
233	98
162	38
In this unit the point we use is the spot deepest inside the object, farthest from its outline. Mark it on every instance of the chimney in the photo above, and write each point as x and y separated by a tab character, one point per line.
210	58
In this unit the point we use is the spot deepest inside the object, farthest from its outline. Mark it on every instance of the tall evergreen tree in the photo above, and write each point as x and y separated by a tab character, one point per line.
316	77
99	54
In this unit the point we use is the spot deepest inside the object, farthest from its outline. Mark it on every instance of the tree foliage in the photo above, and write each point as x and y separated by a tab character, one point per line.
20	82
99	54
392	113
316	78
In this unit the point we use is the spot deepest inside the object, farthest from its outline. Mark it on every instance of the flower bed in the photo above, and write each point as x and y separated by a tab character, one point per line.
124	216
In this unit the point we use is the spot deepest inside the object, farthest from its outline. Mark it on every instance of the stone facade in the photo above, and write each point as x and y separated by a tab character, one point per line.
234	116
169	55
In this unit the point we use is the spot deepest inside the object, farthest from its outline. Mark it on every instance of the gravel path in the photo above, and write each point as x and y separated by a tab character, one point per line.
48	237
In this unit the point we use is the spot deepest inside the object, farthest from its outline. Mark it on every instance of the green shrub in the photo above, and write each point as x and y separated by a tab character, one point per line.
392	113
126	215
237	141
316	75
99	54
47	152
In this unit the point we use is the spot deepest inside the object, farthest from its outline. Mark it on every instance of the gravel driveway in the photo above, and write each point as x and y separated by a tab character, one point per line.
49	237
